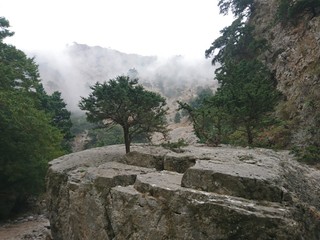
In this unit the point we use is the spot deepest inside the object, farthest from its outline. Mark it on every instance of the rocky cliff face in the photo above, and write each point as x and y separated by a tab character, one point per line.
294	57
199	193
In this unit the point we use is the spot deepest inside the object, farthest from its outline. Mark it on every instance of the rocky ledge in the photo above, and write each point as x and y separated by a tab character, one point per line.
198	193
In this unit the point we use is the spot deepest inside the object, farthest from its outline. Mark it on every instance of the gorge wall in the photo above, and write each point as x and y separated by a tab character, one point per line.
293	56
198	193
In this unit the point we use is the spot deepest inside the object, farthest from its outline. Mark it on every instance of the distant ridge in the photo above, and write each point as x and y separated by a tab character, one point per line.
79	66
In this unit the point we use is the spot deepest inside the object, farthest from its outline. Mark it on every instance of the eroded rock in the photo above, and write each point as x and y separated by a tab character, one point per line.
236	179
153	193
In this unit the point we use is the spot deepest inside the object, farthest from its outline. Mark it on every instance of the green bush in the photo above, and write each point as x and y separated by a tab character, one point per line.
238	138
175	146
177	118
290	9
80	124
277	136
103	137
309	154
28	142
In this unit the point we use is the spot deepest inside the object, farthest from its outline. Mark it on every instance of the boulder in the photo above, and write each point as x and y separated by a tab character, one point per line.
200	193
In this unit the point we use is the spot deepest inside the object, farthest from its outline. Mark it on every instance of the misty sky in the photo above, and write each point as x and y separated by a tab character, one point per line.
147	27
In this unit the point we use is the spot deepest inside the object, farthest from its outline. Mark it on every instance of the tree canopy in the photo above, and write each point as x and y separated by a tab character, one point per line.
55	107
4	31
28	142
123	101
237	7
247	90
236	43
289	10
31	125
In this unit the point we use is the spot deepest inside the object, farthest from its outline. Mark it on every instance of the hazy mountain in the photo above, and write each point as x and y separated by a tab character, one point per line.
79	66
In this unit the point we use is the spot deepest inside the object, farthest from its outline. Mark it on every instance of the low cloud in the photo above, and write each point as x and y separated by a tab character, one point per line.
74	69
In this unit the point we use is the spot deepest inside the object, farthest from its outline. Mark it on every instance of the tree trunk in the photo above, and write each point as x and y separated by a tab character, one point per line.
127	141
249	135
219	127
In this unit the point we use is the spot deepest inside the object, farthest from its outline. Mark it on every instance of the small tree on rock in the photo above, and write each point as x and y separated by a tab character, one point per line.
123	101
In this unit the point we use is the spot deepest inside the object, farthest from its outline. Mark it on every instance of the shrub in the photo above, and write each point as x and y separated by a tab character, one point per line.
177	118
175	146
290	9
276	136
309	154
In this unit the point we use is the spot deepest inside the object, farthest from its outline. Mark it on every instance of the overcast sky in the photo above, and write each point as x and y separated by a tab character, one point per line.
147	27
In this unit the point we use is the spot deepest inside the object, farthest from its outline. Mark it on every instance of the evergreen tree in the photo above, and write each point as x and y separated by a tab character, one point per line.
207	114
29	131
247	88
248	92
55	107
289	10
27	142
237	7
122	101
20	73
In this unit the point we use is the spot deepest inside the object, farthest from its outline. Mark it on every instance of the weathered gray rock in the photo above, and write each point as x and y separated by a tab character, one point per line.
293	57
159	161
236	179
230	193
159	208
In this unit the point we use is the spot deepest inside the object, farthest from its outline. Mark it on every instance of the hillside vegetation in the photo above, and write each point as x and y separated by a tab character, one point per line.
34	127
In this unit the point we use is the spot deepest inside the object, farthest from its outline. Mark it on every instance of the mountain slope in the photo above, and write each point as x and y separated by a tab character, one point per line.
79	66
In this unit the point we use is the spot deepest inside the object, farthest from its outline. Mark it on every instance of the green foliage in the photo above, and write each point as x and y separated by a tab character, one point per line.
235	44
80	124
308	154
202	95
247	91
237	7
238	138
98	136
207	117
246	95
122	101
175	146
20	73
27	143
276	136
55	107
282	11
4	31
29	137
17	71
177	117
101	137
289	10
201	121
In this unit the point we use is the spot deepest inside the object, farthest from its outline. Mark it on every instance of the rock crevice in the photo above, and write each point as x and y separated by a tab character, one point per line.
201	193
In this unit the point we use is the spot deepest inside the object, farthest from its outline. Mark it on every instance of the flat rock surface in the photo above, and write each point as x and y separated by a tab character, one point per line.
194	192
88	158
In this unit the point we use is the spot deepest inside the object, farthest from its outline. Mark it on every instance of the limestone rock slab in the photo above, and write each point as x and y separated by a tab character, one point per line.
240	179
230	193
157	207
